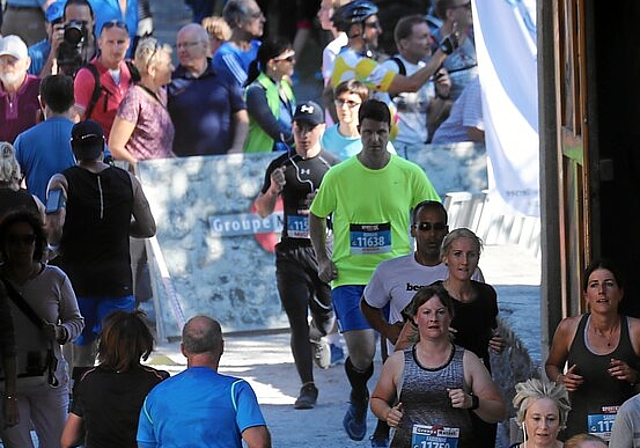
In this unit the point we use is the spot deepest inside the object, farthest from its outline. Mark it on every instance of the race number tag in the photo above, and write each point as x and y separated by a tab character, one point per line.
367	239
601	424
423	436
297	226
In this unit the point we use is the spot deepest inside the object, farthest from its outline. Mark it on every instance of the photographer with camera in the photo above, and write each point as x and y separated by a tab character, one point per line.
71	41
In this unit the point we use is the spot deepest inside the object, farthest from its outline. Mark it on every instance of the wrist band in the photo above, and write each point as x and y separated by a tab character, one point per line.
475	403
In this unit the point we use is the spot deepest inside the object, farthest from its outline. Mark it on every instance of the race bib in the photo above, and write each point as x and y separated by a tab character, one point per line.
423	436
297	226
601	424
367	239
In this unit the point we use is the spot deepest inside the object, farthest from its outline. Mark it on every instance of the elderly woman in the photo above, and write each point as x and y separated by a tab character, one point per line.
541	411
45	312
108	399
599	350
428	391
142	129
270	99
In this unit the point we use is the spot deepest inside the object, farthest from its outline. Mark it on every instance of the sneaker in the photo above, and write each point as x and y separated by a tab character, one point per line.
337	354
355	421
378	441
321	353
307	398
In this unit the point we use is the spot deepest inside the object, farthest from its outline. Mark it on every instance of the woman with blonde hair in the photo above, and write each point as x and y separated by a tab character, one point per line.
541	411
143	129
12	196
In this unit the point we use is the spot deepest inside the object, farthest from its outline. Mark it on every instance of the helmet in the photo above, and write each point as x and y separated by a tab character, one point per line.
356	11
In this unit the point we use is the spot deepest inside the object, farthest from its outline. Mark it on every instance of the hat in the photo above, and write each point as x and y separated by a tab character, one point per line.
12	45
87	140
55	11
309	112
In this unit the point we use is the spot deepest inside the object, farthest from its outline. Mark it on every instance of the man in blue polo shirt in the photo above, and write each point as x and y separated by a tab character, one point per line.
206	107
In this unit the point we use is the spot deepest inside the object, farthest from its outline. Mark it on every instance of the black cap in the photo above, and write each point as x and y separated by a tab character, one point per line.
87	140
309	112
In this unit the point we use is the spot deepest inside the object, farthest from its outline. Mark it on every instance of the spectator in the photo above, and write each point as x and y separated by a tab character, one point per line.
108	74
330	52
123	12
365	233
600	350
343	139
52	52
18	88
247	24
45	149
413	41
296	176
13	197
465	123
586	441
107	402
92	231
462	63
206	107
142	129
541	412
270	98
435	382
24	19
626	430
218	31
48	318
200	407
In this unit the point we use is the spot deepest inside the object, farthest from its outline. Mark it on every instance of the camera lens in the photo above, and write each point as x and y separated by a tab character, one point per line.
73	32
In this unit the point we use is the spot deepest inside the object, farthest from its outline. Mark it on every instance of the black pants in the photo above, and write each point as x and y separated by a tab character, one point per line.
301	292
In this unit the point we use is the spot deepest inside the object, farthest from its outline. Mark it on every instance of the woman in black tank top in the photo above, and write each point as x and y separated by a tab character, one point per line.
600	351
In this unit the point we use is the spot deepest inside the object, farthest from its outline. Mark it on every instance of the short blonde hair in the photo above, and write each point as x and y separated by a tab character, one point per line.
217	27
147	52
9	168
534	389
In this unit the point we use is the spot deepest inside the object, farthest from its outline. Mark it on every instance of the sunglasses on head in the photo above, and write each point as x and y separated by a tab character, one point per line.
427	226
115	23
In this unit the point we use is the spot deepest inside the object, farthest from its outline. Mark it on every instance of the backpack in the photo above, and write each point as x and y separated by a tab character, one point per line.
97	89
402	70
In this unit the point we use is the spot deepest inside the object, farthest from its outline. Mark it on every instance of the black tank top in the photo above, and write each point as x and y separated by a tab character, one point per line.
95	239
599	388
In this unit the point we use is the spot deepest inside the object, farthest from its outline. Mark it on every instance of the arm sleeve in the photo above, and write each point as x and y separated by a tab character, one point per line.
248	413
324	202
423	189
226	64
259	110
70	315
83	86
146	436
376	293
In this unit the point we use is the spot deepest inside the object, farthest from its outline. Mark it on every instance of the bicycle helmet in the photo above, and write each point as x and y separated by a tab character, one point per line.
356	11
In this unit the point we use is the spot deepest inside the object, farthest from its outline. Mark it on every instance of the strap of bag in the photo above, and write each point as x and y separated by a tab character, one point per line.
39	322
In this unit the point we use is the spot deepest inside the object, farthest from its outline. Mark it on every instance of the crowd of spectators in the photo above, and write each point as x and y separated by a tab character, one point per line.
82	82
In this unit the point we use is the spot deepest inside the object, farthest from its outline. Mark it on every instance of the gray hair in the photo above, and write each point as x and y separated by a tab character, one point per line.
533	389
202	334
147	52
9	167
235	12
454	235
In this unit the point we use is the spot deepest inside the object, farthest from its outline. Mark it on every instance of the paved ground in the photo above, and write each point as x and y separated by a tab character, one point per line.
266	362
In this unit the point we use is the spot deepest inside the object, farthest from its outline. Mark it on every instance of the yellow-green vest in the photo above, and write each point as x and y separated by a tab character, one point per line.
257	139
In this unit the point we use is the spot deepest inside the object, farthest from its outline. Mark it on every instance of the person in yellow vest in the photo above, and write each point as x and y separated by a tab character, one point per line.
269	97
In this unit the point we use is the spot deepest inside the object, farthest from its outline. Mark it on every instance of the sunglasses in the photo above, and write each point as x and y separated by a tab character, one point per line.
115	23
427	226
350	104
375	24
288	59
24	239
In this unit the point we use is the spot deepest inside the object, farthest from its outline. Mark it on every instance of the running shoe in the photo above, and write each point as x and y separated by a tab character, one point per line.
355	421
307	398
321	353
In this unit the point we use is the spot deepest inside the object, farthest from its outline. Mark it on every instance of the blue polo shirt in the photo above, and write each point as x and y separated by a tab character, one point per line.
43	151
38	52
201	110
231	61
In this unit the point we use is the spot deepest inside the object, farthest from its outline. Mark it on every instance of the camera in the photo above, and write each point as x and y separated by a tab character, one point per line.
70	51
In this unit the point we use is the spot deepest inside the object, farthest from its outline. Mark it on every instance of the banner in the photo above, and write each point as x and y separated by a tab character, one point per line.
505	38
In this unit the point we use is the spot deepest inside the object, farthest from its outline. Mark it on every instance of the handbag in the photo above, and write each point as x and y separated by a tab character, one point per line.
51	362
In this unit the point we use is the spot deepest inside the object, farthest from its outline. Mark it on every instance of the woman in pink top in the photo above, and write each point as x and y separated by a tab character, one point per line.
143	129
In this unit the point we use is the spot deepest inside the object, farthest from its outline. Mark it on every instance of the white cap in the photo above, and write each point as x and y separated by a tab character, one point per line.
12	45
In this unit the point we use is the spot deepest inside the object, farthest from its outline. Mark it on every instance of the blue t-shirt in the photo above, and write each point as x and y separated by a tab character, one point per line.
201	110
344	147
43	151
38	52
198	407
232	61
107	10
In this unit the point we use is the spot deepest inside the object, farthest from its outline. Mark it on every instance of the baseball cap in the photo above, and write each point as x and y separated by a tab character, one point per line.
55	11
309	112
12	45
87	140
